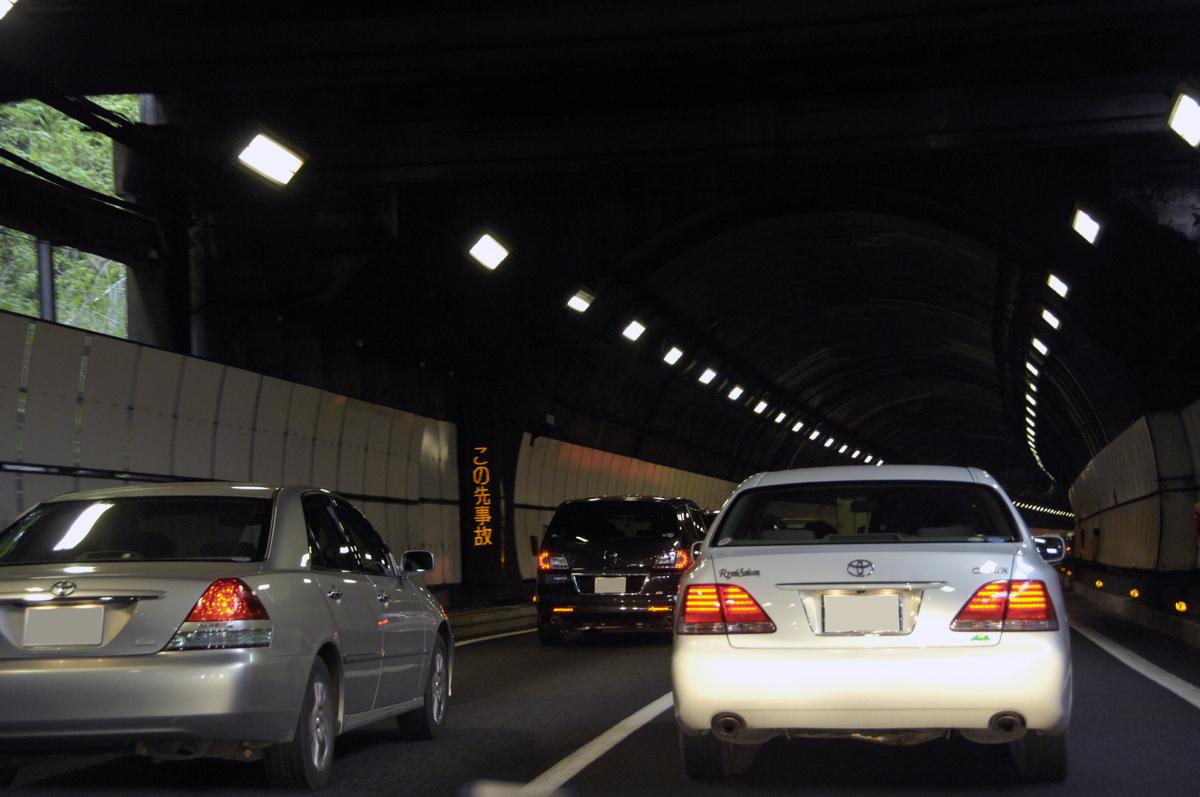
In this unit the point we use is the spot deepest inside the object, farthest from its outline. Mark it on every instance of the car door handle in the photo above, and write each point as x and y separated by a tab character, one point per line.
384	597
334	595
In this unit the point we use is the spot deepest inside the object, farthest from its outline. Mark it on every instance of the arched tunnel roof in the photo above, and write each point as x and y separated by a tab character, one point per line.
850	210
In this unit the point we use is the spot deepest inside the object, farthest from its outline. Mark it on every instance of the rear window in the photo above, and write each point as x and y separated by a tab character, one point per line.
822	514
147	528
603	521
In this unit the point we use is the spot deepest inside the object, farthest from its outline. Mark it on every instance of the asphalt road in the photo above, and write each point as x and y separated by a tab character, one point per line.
518	709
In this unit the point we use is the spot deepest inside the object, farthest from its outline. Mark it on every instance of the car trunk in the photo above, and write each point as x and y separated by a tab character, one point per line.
113	609
906	596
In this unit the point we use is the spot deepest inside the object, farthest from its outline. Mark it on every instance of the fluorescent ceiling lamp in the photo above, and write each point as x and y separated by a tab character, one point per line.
868	459
1051	319
878	463
1087	227
736	393
1029	398
581	301
634	330
708	376
1058	286
672	357
856	454
781	417
843	449
797	426
760	408
1030	411
1031	423
489	252
1184	118
1031	368
6	6
828	442
270	159
1042	348
815	434
1032	386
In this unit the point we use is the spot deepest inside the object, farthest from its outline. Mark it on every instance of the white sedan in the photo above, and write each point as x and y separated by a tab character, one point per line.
893	604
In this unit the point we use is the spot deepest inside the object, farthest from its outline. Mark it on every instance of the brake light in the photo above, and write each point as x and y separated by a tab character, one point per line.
674	559
722	609
1008	606
552	561
227	599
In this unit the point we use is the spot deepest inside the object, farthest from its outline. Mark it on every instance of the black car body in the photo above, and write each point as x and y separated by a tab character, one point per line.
614	563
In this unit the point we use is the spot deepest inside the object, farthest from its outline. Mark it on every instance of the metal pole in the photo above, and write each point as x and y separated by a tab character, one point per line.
45	260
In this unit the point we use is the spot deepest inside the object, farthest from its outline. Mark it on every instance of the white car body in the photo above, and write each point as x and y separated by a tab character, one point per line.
919	682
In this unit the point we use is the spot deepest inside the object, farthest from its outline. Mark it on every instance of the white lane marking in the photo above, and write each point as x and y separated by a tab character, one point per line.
1166	680
493	636
572	765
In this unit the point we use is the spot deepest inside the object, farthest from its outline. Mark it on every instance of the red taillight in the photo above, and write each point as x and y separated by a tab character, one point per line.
552	561
227	599
683	559
1008	606
722	609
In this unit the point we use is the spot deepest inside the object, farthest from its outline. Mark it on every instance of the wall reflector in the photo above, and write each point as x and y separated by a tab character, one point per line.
488	252
1135	593
1099	584
1058	286
736	393
270	159
708	376
1180	606
672	357
1051	319
1087	226
581	301
1184	118
634	330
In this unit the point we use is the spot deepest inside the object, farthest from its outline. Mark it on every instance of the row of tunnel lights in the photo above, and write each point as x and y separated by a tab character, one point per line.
1044	509
1184	119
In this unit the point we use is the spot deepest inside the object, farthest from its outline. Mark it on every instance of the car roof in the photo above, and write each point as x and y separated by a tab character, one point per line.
181	489
659	499
871	473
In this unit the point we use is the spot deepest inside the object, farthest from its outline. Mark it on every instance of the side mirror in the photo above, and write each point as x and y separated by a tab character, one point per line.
697	550
1051	548
416	562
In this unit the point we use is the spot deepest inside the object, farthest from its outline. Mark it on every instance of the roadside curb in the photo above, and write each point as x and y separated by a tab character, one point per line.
472	623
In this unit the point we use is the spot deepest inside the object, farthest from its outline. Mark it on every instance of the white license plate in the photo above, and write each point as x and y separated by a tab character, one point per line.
63	625
608	586
862	614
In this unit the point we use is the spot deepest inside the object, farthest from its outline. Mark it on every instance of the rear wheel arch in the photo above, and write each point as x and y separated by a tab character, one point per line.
443	631
332	657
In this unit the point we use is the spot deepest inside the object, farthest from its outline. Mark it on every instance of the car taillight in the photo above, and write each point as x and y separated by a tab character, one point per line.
721	609
674	559
228	615
552	561
1008	606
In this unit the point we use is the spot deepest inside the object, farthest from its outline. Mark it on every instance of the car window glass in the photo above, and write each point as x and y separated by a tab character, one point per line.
605	521
372	553
328	547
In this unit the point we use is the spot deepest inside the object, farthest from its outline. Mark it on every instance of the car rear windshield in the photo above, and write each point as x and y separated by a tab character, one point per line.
604	521
833	513
145	528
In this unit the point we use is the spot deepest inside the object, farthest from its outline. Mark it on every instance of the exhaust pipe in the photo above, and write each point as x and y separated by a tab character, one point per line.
728	727
1009	723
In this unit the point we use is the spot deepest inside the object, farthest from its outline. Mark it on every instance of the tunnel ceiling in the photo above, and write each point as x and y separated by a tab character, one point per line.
849	209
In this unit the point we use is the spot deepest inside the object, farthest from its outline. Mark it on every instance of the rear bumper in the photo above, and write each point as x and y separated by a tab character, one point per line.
236	695
625	612
881	689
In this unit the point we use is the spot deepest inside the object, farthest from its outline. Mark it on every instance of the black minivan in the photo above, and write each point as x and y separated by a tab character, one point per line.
614	563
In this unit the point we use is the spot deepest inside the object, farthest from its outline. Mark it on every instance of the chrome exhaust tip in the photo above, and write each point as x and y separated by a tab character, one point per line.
728	726
1009	723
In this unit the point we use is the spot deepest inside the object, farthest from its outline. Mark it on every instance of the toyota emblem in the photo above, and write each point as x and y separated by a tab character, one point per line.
63	588
860	568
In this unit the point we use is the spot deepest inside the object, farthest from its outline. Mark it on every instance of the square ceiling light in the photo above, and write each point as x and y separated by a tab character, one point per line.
270	159
581	301
707	377
736	393
1058	286
1051	319
760	408
672	357
1184	118
634	330
489	252
1086	225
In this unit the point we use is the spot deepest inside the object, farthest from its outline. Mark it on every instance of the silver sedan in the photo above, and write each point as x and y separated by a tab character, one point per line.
236	621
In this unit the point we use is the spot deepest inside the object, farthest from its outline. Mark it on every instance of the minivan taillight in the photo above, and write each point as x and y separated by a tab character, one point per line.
674	559
721	609
228	615
552	561
1008	606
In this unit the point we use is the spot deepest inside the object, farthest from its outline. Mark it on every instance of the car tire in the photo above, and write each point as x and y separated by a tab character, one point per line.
705	757
427	721
548	635
8	771
306	762
1041	756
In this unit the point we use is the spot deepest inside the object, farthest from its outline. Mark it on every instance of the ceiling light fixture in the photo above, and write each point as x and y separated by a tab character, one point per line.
1031	399
797	426
672	356
707	377
1086	225
1031	368
736	393
268	158
843	449
1051	319
581	301
781	417
1184	118
634	330
828	442
488	252
816	433
1042	348
760	408
868	459
1058	286
6	6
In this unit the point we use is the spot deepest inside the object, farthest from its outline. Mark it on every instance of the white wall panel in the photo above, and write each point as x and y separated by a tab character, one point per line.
302	424
379	438
1191	423
10	506
399	448
1122	471
270	431
448	459
13	332
328	438
49	434
352	456
195	425
153	414
107	394
235	425
40	486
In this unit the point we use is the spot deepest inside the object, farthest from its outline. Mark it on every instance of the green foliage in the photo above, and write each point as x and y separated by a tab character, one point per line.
90	290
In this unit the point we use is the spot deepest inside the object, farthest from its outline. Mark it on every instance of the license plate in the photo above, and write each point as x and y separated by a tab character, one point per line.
63	625
609	586
861	614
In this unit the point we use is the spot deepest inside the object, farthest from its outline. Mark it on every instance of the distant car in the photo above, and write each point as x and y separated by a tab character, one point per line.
893	604
235	621
614	564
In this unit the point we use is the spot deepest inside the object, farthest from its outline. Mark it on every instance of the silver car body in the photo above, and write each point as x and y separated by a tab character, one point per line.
909	686
374	632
